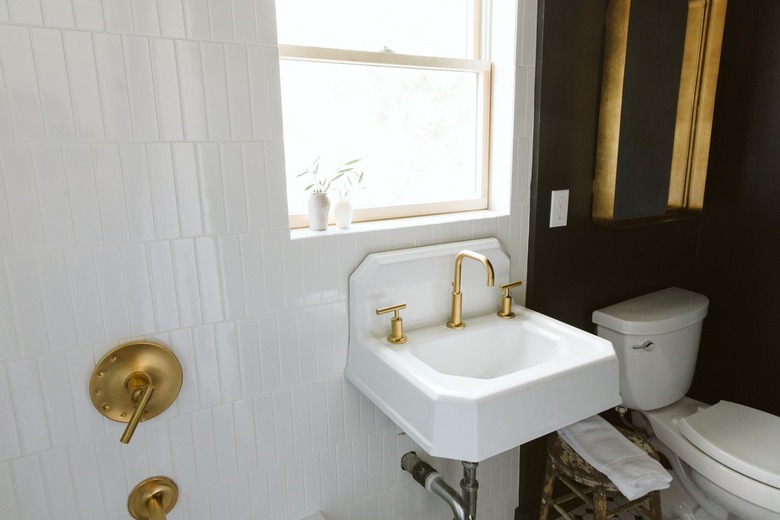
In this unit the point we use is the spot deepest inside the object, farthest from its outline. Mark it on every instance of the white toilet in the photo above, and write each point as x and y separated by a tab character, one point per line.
725	457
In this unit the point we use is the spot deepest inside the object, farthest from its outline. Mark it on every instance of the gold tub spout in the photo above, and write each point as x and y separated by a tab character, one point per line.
456	319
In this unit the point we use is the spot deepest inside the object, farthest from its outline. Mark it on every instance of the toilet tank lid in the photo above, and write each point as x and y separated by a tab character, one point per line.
654	313
737	436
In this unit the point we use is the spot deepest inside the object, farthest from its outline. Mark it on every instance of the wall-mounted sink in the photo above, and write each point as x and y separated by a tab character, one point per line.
472	393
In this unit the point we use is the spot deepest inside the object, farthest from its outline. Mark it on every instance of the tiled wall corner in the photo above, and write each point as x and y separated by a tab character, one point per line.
142	195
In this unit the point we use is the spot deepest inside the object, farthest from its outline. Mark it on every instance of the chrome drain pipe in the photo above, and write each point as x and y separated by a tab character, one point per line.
425	475
469	486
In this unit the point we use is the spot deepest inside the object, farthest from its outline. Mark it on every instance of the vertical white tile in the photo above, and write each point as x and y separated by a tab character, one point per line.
277	185
265	430
30	411
9	344
334	388
118	16
193	97
340	318
83	195
301	418
82	75
135	457
244	21
86	296
53	194
389	462
366	415
246	445
143	113
10	446
206	453
344	472
88	14
200	505
111	193
137	192
81	362
249	352
235	191
275	83
375	466
323	332
319	415
312	483
251	261
219	500
351	411
159	447
7	243
208	370
22	197
272	266
59	484
260	81
210	280
57	395
329	269
182	345
345	251
228	361
277	492
57	300
238	92
232	278
20	81
187	189
145	20
293	274
30	488
329	477
112	475
171	18
88	491
225	440
28	304
221	16
239	499
113	86
295	493
196	17
307	363
166	82
269	353
6	127
186	273
288	349
255	185
139	294
5	16
265	13
310	266
215	76
166	211
183	447
113	297
212	191
283	423
24	12
53	81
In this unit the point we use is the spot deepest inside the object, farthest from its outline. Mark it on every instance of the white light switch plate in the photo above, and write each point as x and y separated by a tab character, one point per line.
559	208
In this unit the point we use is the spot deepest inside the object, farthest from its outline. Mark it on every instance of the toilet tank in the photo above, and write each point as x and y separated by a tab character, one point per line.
669	324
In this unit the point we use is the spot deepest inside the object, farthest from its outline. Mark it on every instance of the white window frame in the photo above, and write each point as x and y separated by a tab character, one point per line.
477	64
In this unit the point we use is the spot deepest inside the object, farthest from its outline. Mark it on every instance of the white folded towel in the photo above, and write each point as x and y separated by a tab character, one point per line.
632	470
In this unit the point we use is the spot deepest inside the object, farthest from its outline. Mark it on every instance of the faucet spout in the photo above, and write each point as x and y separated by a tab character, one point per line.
456	319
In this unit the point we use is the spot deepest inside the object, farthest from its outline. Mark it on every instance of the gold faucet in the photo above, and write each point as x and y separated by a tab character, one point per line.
456	320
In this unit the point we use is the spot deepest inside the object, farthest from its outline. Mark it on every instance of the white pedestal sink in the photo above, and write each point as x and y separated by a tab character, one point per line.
473	393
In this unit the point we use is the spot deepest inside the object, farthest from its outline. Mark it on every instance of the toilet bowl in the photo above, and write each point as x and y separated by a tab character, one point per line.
725	457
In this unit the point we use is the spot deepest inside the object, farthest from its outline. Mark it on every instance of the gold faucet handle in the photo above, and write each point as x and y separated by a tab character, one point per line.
508	286
396	323
506	301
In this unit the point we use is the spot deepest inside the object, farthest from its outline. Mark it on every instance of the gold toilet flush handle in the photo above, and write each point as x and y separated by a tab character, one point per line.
506	301
396	323
135	382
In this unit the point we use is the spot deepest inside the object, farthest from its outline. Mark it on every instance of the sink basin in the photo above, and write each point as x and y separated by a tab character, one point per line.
472	393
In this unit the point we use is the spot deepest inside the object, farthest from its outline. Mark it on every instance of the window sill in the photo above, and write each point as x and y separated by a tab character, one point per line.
400	223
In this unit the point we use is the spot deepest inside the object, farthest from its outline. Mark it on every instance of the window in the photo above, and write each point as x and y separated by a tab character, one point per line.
401	85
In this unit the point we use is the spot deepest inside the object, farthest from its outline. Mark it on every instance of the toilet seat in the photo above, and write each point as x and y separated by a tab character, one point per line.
743	438
665	424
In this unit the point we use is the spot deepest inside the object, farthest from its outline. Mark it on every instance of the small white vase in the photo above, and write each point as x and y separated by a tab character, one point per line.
318	205
342	213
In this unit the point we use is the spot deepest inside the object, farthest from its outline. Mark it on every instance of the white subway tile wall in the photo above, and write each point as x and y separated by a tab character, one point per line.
142	195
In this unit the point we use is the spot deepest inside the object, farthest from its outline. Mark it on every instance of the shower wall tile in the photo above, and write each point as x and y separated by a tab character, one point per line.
142	195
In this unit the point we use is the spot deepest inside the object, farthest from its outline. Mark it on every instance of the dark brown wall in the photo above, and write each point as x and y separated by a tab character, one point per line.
738	265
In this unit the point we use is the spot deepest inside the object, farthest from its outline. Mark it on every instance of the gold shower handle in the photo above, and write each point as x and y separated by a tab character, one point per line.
155	508
153	498
144	394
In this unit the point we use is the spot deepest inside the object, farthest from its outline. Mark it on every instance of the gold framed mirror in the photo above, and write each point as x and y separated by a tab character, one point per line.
661	61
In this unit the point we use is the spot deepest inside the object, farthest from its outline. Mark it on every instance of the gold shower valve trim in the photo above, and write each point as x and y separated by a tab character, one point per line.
135	382
153	498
